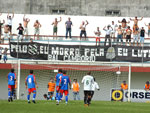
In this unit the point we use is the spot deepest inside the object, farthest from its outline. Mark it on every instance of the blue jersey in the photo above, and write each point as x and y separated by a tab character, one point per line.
30	81
11	78
64	82
58	78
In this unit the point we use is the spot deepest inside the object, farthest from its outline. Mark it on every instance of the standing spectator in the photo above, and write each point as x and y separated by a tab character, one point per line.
147	86
51	88
128	35
68	27
75	87
9	20
135	34
87	80
107	36
6	32
94	86
98	32
25	23
37	26
114	26
5	55
20	33
1	24
148	29
83	29
136	20
55	26
119	36
124	85
142	36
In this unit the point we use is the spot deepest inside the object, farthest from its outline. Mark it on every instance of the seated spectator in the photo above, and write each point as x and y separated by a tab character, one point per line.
147	86
124	85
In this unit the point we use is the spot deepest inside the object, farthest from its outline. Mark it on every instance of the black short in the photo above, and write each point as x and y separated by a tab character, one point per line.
10	27
87	93
128	37
0	57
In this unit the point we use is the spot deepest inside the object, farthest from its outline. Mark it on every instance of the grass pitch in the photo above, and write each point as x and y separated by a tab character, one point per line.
21	106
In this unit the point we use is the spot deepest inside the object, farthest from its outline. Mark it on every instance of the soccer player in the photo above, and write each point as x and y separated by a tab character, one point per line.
94	86
124	85
11	84
65	80
57	79
31	83
51	88
87	80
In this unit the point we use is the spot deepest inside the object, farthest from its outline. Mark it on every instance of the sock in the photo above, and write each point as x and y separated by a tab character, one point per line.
9	94
12	93
34	95
61	95
56	96
28	97
85	100
66	98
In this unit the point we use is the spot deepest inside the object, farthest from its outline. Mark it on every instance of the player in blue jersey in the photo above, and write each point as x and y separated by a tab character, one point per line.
11	84
31	84
57	79
65	80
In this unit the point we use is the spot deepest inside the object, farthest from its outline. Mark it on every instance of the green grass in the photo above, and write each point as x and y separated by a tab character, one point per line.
22	106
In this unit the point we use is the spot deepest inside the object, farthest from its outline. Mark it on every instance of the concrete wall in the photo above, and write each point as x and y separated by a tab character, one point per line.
77	7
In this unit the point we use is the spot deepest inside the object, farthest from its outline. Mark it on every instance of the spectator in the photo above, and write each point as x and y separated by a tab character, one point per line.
51	89
83	29
147	86
9	20
148	29
25	23
5	55
142	36
119	36
20	33
124	85
68	27
75	87
128	35
6	32
136	20
124	26
114	26
94	86
1	24
135	34
37	26
98	32
107	36
55	28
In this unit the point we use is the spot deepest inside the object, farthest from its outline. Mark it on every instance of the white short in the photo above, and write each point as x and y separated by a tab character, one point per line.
36	31
135	38
6	35
25	31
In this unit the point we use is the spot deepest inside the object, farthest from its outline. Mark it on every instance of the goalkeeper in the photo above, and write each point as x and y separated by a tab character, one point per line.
51	89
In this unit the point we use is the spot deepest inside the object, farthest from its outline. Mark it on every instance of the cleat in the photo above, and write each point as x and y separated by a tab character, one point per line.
29	102
57	103
9	100
34	101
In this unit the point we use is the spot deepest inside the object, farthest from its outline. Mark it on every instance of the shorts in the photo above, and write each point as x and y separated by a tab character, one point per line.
5	57
142	39
55	29
0	57
11	87
128	38
119	37
31	90
58	88
6	35
87	93
50	93
135	38
36	31
64	91
25	31
10	27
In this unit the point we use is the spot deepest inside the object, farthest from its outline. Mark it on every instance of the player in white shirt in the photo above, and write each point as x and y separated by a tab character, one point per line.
94	86
87	80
